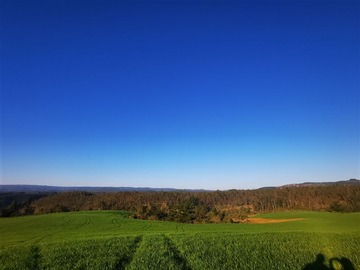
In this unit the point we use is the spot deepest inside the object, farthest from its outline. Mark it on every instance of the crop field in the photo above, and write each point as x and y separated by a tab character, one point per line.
109	240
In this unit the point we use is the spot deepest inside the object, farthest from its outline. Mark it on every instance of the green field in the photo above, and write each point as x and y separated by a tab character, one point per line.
109	240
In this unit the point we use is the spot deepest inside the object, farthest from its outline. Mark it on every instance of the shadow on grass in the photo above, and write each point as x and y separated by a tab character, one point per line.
179	259
126	260
34	258
334	264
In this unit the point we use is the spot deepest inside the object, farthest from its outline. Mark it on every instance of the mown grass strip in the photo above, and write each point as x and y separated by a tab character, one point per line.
158	252
178	257
124	261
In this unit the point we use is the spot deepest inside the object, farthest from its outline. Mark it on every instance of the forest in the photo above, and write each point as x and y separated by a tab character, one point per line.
191	207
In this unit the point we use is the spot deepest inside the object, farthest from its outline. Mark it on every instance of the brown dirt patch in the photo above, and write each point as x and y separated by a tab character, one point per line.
268	220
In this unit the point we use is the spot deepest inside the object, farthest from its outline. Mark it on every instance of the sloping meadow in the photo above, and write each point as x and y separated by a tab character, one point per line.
188	251
111	241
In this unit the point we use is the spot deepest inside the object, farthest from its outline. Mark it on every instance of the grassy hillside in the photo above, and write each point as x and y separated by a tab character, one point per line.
109	240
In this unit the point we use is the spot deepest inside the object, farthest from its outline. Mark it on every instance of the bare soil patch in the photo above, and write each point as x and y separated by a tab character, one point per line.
269	220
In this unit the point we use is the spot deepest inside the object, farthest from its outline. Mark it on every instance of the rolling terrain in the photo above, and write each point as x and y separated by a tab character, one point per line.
110	240
45	188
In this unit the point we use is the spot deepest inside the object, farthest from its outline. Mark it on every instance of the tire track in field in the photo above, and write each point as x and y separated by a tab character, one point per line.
38	239
144	227
126	260
116	223
31	239
85	223
177	256
67	222
149	225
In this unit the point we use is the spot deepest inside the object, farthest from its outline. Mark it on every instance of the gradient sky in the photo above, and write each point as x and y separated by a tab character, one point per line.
194	94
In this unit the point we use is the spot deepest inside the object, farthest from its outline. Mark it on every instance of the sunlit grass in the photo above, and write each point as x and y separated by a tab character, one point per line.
109	240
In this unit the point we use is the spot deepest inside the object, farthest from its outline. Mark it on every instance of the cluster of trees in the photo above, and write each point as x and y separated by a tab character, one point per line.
19	203
191	210
216	206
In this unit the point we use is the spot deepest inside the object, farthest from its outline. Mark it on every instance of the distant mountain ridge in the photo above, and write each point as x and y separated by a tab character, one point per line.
351	181
45	188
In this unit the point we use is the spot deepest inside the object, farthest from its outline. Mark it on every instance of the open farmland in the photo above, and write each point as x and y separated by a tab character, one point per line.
109	240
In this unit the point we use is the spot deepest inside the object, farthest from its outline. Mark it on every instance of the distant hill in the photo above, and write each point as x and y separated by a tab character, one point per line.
342	182
43	188
48	189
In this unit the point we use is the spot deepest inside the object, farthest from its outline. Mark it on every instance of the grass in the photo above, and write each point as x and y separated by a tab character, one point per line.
263	250
109	240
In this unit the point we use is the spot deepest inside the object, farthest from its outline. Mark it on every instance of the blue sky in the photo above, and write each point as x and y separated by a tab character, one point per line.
191	94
